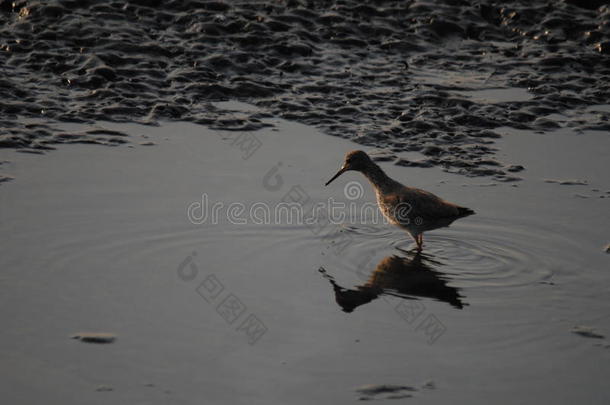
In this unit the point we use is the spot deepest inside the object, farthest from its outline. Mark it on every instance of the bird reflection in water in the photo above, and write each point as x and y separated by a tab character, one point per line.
408	277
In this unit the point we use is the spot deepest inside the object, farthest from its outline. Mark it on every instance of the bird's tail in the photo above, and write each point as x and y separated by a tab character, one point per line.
463	211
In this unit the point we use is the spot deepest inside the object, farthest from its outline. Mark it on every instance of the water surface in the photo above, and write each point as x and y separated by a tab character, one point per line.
98	239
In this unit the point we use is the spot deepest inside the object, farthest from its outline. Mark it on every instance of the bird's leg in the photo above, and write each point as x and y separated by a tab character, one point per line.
417	240
420	242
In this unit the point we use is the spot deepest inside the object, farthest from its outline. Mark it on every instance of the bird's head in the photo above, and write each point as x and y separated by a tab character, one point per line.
354	160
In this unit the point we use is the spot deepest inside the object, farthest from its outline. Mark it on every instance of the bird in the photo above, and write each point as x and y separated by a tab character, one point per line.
410	208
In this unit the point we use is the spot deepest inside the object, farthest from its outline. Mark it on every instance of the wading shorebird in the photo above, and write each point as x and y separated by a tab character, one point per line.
412	209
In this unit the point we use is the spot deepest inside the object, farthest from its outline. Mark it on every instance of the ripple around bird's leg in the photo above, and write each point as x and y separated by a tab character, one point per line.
477	253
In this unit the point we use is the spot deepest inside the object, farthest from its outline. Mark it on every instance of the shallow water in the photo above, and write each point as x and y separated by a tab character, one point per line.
99	240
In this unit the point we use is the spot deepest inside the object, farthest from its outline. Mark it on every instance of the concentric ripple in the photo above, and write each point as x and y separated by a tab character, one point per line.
477	253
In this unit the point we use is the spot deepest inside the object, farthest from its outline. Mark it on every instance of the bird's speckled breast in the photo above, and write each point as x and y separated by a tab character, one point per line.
388	207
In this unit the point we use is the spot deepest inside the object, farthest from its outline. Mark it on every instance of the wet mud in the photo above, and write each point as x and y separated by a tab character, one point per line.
437	78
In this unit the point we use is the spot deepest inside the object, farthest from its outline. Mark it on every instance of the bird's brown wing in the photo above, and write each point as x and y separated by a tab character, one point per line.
427	205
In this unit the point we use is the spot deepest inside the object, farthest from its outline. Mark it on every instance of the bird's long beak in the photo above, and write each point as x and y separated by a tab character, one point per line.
339	173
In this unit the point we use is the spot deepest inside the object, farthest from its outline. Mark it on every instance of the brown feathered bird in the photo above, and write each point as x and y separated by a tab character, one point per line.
410	208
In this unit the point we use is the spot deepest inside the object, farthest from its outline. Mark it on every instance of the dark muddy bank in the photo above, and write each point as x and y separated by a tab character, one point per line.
434	77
